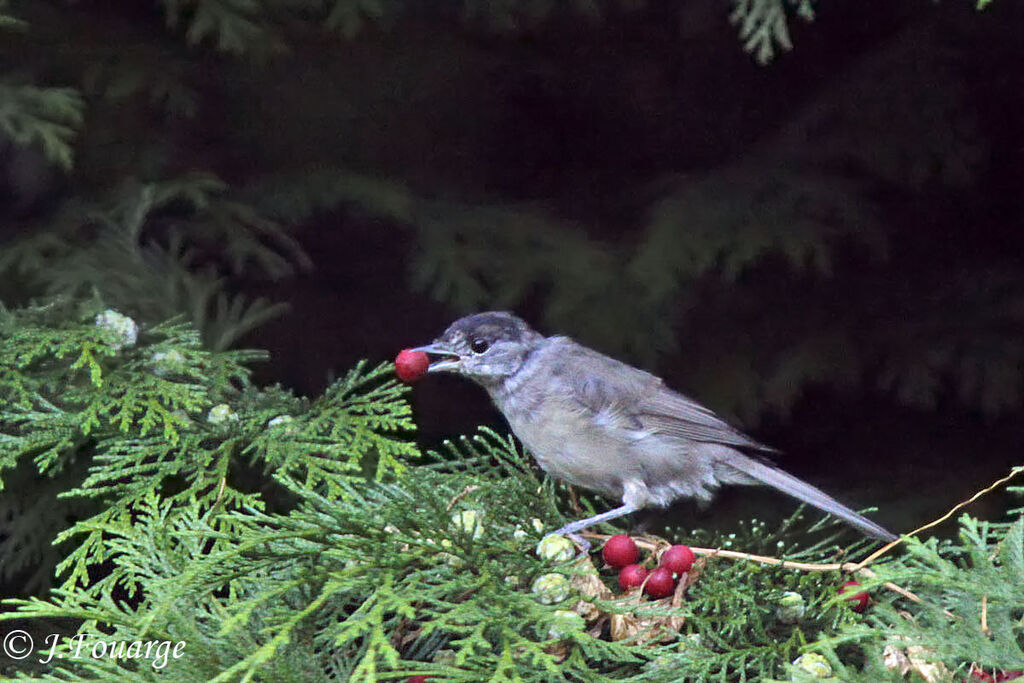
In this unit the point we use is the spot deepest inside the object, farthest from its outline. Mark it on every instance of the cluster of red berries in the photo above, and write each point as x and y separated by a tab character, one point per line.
995	677
621	552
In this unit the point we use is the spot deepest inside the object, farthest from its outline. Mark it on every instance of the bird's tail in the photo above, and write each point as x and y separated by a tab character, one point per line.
751	469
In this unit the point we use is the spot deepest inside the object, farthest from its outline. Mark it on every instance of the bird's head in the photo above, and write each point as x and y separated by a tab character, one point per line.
485	347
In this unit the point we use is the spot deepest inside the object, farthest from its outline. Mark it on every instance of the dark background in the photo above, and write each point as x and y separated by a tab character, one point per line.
825	248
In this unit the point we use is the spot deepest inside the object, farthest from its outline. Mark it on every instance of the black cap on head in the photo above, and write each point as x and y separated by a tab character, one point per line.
492	326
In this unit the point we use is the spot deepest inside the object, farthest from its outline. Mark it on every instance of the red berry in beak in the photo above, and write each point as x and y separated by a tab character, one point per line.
411	365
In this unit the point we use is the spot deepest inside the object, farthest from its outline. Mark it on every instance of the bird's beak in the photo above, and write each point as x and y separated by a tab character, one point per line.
449	362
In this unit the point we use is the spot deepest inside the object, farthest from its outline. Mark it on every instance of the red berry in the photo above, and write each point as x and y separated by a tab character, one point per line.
678	559
631	576
858	601
660	583
620	550
982	675
1009	675
411	365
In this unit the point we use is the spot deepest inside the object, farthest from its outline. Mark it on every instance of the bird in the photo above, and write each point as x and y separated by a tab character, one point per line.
597	423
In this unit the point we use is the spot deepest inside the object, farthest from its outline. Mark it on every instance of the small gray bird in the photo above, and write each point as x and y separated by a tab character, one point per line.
600	424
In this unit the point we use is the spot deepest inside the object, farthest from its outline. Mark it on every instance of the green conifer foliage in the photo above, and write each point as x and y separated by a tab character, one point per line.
352	557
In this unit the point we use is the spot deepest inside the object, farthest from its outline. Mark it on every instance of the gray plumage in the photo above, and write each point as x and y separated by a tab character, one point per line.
600	424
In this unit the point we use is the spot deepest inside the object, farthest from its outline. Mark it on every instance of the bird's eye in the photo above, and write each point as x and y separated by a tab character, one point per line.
479	345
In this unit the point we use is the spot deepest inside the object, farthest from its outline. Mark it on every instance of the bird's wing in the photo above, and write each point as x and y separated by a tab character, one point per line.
667	412
638	400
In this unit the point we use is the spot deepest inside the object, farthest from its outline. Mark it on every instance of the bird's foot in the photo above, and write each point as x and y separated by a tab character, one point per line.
580	542
572	531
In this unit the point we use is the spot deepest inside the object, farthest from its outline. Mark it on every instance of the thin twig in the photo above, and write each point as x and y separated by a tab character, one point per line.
220	490
889	546
469	489
574	501
984	615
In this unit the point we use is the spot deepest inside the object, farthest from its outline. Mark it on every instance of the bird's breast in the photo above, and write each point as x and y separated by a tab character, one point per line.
570	446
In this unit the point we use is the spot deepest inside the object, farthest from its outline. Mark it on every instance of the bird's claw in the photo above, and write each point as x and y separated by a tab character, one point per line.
581	543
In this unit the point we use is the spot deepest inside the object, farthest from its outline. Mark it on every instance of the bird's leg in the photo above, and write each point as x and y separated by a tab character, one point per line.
570	530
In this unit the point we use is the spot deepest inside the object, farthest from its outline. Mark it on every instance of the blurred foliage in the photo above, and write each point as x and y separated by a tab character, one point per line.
160	160
47	117
137	225
764	24
138	250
